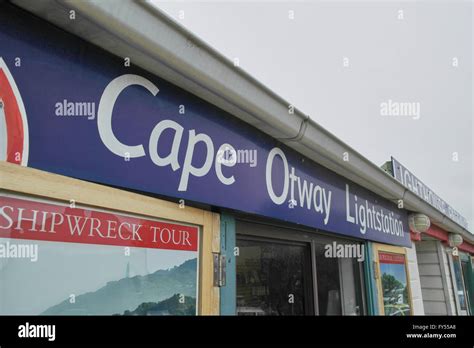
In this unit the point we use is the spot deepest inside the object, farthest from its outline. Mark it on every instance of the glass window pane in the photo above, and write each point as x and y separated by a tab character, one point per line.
351	287
459	283
467	274
394	284
273	278
86	279
59	260
329	288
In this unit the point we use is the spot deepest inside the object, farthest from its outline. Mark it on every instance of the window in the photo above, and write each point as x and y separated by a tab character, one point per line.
84	279
459	283
283	271
392	281
62	260
339	284
468	281
273	278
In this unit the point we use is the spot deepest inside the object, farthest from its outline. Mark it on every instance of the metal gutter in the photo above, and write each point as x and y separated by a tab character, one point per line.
156	43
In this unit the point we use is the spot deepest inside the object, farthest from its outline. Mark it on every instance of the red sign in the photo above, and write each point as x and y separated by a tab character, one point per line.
13	114
391	258
24	219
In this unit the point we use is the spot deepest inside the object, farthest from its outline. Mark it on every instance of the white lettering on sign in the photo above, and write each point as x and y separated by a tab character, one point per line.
367	215
188	167
172	158
170	236
309	194
104	124
410	181
106	106
22	219
271	156
295	189
224	151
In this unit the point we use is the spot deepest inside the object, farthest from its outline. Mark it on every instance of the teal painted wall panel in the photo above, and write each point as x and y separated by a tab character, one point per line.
228	295
370	281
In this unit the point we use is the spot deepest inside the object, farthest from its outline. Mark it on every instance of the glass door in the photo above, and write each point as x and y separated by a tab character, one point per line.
283	271
459	286
273	277
339	283
468	282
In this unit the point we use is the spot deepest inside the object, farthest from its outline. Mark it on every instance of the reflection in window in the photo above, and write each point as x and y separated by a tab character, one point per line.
339	284
394	284
459	283
273	279
89	279
467	275
329	288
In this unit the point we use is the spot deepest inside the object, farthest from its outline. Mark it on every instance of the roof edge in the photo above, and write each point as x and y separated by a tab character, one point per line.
177	55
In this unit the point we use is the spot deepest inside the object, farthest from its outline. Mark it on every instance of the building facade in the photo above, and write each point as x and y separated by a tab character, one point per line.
124	193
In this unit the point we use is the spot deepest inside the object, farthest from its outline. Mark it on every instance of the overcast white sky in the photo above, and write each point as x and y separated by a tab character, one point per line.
389	58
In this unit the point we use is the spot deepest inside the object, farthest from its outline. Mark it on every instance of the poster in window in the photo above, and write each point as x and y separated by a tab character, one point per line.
62	260
393	277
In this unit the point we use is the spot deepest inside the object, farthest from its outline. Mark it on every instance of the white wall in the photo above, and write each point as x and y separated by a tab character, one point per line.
449	278
435	278
415	285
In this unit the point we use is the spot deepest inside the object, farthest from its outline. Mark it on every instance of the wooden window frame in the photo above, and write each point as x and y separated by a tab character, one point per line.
394	250
16	179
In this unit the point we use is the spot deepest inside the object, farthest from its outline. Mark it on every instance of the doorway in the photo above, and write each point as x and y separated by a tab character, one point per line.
271	278
285	271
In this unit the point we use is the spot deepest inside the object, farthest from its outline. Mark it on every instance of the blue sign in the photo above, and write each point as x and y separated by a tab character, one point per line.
91	116
411	182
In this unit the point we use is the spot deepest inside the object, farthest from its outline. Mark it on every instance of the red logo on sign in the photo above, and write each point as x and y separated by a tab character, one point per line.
13	122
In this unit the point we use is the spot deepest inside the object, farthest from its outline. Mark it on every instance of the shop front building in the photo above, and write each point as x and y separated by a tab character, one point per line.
287	271
102	122
123	194
445	273
444	259
103	252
